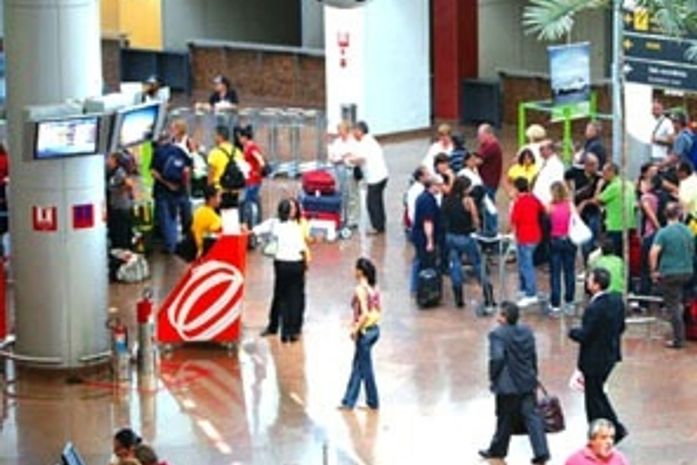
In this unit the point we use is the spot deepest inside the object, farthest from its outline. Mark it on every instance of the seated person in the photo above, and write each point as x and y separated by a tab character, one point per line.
223	98
206	219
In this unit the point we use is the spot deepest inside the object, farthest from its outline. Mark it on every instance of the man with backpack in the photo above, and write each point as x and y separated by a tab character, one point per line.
171	168
684	146
226	168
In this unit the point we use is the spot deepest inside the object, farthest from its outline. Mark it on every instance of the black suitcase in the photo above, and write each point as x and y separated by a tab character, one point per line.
429	289
321	203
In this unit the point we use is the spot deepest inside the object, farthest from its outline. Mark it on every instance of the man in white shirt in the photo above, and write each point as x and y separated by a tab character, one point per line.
368	154
340	151
552	171
444	144
417	187
471	169
662	135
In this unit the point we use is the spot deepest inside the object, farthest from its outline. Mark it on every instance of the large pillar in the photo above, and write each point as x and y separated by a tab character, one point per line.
52	50
377	56
455	53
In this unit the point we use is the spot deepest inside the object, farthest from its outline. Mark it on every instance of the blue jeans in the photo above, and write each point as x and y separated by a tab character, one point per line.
562	260
646	285
593	222
167	207
251	198
491	222
459	244
363	371
526	269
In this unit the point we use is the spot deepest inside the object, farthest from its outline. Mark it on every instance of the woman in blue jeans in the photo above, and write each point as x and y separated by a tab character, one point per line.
562	258
365	332
461	220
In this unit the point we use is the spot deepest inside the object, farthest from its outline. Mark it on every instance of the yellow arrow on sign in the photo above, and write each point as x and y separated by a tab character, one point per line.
641	19
628	44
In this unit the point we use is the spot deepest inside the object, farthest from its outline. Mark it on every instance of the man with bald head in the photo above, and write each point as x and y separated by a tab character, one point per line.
490	170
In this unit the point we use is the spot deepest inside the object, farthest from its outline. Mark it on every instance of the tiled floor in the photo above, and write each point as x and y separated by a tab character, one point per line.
271	403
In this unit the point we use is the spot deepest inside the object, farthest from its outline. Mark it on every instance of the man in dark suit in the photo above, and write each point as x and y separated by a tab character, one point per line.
513	377
599	336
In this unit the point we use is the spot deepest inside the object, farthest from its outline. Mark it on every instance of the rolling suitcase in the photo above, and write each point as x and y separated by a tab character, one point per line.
319	181
321	203
314	215
429	289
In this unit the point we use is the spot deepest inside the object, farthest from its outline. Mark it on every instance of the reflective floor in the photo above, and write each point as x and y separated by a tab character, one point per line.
273	403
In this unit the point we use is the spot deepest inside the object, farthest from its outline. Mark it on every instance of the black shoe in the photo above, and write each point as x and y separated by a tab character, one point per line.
294	338
620	433
285	339
486	454
540	460
267	332
459	301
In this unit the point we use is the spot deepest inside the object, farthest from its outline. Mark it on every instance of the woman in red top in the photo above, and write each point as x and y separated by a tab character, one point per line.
256	162
525	224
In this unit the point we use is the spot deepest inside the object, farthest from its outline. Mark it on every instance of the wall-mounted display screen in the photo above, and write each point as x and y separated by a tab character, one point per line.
136	125
67	137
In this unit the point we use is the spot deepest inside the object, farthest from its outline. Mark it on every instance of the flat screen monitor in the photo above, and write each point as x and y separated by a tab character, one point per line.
67	137
70	456
136	125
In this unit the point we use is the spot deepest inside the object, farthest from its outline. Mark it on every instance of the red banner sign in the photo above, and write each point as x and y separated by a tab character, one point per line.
44	219
206	304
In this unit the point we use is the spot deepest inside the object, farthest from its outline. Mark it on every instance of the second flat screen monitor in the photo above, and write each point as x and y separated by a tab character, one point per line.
137	125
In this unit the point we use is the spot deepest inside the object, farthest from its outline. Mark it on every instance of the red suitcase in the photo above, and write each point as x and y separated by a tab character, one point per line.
319	181
691	320
313	215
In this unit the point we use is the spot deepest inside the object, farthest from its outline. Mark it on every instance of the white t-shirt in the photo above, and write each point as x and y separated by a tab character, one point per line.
374	166
340	147
412	194
552	171
434	150
662	129
472	175
687	193
289	236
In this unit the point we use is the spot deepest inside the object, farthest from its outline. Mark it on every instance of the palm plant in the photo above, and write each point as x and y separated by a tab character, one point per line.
554	19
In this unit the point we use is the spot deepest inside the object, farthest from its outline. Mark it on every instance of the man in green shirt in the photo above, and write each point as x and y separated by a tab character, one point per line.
613	264
619	206
671	261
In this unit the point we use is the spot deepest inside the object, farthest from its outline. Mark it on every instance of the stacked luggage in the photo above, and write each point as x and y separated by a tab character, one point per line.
319	198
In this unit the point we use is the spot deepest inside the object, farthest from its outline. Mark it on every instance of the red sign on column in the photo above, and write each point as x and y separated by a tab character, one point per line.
83	216
343	41
44	219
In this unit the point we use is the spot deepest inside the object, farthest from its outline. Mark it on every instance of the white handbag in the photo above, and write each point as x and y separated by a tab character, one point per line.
579	232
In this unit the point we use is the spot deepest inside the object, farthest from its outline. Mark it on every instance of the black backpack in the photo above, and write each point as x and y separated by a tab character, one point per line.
232	178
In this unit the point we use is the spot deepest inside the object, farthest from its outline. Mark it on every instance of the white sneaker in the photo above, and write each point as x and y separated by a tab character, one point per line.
554	311
527	301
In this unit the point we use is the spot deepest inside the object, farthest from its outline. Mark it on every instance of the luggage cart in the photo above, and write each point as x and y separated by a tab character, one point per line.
502	245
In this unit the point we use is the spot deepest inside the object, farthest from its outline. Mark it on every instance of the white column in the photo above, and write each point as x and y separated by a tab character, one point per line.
53	54
386	64
639	125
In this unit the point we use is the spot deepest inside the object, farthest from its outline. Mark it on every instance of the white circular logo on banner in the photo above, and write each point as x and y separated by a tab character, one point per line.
344	3
217	286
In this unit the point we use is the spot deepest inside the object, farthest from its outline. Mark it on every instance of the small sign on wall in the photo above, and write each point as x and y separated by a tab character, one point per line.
44	219
83	216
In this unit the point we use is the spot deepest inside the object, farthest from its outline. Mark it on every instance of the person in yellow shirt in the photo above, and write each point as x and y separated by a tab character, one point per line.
206	219
218	158
524	167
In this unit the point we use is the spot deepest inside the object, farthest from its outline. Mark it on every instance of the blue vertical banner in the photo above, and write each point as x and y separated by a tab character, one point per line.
570	73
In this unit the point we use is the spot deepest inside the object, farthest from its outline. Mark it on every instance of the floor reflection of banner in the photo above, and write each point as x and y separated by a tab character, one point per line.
215	402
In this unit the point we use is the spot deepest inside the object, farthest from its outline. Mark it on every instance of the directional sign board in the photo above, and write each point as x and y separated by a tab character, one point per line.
654	58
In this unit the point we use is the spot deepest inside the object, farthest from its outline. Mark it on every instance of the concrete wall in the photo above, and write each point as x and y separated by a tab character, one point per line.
503	43
312	23
262	21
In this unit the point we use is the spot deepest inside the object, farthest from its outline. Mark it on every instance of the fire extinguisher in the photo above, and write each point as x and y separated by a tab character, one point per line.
120	359
146	347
